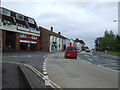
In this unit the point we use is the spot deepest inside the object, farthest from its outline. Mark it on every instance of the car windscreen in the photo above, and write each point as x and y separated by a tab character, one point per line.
72	48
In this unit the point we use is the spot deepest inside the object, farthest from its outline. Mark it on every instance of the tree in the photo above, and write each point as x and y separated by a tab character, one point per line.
109	41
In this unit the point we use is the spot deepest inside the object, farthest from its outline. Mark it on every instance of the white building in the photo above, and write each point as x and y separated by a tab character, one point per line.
79	44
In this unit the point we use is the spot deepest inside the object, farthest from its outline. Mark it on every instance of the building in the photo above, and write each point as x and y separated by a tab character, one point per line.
19	32
79	44
71	42
51	41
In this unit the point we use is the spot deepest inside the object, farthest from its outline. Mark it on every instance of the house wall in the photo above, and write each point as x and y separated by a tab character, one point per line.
67	42
44	40
50	41
58	46
79	45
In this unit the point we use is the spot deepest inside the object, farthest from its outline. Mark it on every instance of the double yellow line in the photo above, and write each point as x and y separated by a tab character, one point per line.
54	85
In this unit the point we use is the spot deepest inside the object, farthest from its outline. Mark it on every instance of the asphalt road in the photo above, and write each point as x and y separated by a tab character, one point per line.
76	73
100	61
34	59
11	75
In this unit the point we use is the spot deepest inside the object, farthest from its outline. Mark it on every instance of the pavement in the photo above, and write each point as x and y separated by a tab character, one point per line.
11	76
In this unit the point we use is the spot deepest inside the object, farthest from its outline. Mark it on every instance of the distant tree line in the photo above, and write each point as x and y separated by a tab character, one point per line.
109	41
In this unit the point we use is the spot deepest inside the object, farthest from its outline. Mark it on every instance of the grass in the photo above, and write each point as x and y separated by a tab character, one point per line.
114	53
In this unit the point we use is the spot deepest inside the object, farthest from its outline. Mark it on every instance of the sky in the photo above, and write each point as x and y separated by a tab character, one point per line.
74	19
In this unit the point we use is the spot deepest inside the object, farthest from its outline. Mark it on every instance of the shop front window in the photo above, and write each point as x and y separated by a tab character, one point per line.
23	35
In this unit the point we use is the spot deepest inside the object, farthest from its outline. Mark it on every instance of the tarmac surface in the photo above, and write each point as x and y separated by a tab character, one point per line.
75	73
67	73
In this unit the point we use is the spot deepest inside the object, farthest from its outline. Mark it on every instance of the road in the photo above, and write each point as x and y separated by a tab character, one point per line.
34	59
77	73
11	75
100	61
85	72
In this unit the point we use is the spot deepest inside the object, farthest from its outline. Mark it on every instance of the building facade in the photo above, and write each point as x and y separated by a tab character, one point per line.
79	44
19	32
51	41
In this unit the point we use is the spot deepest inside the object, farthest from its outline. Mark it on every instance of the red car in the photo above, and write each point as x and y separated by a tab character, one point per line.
71	52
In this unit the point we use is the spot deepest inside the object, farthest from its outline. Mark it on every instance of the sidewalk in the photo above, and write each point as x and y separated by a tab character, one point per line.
107	55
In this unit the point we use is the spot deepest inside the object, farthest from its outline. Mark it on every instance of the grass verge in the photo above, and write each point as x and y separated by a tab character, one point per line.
114	53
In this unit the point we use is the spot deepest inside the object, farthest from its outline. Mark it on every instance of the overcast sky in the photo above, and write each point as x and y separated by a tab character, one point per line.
83	20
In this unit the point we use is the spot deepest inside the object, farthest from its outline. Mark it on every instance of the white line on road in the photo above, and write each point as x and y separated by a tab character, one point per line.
47	81
90	59
45	73
86	61
107	68
44	69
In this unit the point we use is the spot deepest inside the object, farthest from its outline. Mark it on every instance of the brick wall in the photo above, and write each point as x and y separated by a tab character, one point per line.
44	40
17	42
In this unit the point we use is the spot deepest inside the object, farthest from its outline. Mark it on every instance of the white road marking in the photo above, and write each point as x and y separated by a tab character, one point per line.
29	55
45	73
46	78
44	65
44	69
86	61
107	68
90	59
47	81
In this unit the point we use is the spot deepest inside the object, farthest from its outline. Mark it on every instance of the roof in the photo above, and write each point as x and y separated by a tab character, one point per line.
52	33
81	41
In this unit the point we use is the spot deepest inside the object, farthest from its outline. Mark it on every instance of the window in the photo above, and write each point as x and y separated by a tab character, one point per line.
72	48
19	16
30	20
31	28
53	38
5	12
56	39
34	37
20	25
23	35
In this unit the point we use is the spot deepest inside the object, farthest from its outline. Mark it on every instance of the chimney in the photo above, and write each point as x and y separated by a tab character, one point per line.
59	33
52	29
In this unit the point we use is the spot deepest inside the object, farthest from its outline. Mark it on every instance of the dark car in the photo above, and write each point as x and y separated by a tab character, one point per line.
71	52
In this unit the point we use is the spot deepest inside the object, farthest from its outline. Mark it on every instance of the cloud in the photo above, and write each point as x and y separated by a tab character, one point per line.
83	20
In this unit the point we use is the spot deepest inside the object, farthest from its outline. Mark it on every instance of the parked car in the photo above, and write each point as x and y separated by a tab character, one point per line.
71	52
